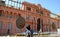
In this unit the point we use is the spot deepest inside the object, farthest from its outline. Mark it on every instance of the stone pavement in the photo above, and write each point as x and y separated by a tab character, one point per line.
33	36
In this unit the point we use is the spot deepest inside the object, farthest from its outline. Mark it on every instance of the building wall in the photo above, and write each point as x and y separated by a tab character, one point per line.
36	12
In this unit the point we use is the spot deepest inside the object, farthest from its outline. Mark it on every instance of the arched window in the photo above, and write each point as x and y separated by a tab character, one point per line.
28	8
27	17
15	14
7	13
10	16
0	25
1	12
41	12
9	25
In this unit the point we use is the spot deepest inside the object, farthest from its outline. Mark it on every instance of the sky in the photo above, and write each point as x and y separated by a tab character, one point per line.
52	5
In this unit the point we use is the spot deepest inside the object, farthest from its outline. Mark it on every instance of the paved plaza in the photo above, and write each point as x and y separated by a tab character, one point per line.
50	35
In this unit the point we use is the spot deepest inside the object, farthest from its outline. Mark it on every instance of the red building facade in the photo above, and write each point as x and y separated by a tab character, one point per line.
35	15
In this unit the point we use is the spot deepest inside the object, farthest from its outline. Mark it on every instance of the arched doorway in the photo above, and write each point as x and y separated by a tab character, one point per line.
39	24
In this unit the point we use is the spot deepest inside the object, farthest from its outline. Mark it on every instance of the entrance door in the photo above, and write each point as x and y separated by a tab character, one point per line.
39	24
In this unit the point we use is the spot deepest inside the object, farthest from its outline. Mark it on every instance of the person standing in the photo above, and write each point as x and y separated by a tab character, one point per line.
32	31
28	32
8	31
